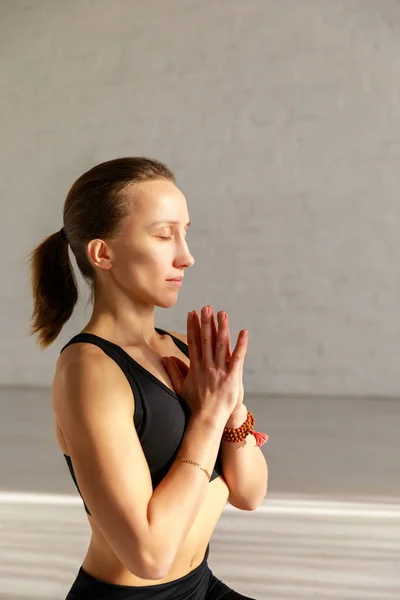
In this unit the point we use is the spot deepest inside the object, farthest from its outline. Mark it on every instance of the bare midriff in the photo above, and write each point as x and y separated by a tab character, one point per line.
100	561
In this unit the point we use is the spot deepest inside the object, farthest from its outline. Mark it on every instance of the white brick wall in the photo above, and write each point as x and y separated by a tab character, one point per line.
281	120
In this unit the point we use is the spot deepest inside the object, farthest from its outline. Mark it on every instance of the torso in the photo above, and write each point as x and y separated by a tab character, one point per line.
100	561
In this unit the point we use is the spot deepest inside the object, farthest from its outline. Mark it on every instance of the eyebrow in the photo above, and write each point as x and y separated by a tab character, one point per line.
169	223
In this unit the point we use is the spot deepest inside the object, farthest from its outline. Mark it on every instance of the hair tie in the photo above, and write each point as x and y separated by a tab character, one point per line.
62	233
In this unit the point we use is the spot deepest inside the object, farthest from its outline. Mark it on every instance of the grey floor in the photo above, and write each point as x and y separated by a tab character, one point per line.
328	529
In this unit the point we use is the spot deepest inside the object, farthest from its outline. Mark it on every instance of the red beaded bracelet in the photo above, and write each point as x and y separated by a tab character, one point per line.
240	433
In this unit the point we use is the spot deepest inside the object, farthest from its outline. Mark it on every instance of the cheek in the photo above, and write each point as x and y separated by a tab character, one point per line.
144	269
143	262
158	258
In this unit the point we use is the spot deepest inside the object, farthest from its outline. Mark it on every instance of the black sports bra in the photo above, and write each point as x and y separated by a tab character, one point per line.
160	415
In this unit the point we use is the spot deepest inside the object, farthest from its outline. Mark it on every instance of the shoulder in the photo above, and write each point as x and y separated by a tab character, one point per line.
83	372
180	336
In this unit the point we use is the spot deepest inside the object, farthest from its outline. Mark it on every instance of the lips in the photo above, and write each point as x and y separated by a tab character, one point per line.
175	279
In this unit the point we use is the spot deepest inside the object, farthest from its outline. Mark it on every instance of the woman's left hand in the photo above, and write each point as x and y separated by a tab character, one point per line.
183	368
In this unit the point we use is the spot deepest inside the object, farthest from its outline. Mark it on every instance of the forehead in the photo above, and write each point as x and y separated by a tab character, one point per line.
160	202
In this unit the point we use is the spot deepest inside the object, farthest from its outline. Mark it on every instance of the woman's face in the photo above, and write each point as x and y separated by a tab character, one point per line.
150	250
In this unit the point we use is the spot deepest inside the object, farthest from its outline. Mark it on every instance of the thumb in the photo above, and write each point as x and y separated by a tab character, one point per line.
174	374
183	368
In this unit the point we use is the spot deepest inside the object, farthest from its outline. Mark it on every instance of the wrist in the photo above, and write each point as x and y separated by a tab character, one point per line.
211	420
237	417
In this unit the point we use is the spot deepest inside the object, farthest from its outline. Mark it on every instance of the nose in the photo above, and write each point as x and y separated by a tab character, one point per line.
192	261
185	258
189	261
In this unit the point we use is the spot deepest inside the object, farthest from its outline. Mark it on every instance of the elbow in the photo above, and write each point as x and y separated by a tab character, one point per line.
242	504
248	503
159	567
149	567
252	505
148	571
157	572
249	506
257	502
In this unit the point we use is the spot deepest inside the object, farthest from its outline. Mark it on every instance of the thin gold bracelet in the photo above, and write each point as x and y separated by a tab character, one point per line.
195	464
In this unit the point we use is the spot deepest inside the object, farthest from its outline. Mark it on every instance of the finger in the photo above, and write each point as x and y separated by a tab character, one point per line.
221	349
228	343
197	336
194	344
239	352
208	353
214	332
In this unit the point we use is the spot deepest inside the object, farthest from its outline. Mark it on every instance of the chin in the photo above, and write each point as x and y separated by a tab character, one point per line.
167	302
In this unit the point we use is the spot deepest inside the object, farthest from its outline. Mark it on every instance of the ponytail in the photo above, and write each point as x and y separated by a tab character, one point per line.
54	288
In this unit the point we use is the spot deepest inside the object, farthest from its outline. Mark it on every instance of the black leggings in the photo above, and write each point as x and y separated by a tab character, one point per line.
199	584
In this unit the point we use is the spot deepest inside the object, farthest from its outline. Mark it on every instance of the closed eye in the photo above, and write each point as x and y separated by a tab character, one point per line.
166	238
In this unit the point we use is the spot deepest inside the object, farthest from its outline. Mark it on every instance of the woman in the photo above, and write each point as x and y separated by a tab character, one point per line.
140	436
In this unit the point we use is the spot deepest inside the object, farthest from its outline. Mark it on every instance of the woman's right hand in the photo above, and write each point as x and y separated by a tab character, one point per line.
212	384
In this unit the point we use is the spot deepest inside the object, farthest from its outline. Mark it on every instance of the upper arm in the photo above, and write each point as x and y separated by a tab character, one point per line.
94	405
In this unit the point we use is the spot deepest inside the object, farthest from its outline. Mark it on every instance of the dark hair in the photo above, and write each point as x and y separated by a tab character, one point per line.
94	208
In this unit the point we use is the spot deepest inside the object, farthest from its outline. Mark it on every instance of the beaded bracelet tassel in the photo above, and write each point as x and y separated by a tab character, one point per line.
240	433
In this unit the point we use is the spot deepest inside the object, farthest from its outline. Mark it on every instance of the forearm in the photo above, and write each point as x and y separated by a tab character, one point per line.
244	467
179	496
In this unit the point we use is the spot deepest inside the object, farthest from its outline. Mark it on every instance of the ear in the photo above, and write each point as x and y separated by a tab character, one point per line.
100	254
